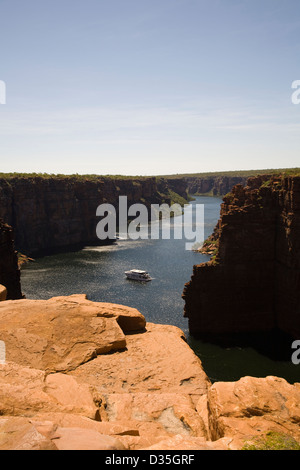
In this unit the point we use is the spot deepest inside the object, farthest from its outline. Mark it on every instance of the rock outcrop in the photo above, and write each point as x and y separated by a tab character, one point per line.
221	183
213	185
67	333
253	407
58	213
251	285
81	375
76	371
9	269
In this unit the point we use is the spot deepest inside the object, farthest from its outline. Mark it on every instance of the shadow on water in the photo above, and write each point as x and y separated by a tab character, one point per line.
265	355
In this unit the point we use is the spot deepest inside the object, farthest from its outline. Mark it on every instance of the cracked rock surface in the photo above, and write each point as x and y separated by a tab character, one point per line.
91	376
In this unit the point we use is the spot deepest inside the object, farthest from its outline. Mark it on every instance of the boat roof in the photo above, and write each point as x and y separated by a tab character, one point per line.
138	271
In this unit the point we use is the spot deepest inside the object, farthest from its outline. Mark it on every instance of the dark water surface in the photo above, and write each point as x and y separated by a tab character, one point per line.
99	273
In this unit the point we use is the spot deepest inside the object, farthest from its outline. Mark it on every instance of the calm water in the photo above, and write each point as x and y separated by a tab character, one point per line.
99	273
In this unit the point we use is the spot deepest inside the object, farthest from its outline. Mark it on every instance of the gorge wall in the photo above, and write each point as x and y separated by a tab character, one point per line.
251	285
51	213
213	185
221	183
58	213
9	270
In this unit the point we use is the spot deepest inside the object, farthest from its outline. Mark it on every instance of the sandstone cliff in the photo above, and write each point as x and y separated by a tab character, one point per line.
58	213
81	375
9	270
252	283
213	185
221	183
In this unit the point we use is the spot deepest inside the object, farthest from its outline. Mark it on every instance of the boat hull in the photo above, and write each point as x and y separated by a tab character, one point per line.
137	279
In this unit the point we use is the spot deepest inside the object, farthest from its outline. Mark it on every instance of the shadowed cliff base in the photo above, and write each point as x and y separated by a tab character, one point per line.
9	269
249	293
273	344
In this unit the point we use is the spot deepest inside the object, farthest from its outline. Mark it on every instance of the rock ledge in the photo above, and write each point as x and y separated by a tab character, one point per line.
95	376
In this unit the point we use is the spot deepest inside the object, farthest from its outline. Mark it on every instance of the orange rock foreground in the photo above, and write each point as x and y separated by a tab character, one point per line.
80	375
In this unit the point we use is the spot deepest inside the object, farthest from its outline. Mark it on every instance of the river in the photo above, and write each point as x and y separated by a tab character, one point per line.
98	272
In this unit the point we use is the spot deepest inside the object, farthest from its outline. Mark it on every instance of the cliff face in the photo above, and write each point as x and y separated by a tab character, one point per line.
49	214
213	185
178	186
252	286
9	271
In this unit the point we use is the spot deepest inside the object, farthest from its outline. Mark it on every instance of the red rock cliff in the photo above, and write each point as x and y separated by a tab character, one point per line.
50	214
253	283
213	185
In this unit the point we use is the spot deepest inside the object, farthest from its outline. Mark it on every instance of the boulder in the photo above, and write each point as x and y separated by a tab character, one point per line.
27	434
61	333
84	439
253	407
20	434
180	442
156	416
153	386
155	360
25	391
74	380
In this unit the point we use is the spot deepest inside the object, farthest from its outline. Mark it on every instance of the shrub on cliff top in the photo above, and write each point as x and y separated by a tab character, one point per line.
76	176
273	441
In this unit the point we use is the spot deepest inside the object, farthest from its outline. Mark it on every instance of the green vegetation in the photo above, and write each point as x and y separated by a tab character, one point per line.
229	197
176	198
211	247
266	184
273	441
23	259
240	173
207	194
76	176
170	197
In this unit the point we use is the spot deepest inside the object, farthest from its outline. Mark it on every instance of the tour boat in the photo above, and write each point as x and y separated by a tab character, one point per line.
138	275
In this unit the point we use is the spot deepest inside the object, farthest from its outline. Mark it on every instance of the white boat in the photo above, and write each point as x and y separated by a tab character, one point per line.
138	275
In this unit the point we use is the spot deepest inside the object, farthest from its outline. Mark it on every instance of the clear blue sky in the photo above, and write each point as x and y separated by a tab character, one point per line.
144	87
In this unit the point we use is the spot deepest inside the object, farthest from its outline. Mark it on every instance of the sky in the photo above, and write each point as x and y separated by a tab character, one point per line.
148	87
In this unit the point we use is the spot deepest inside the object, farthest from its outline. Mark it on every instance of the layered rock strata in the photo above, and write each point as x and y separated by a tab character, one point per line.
81	375
252	283
50	214
213	185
